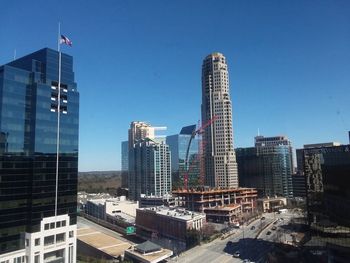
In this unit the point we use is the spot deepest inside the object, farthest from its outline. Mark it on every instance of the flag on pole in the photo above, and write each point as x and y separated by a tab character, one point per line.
65	40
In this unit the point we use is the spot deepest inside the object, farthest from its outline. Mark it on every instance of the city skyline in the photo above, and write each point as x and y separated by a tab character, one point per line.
288	66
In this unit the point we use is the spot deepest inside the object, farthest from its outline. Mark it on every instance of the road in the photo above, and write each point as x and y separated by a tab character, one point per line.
247	240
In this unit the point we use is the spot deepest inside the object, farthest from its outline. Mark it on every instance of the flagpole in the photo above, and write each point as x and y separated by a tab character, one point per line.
58	114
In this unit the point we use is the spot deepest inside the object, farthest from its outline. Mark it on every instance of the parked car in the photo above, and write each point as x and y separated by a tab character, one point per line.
268	233
252	228
274	228
263	218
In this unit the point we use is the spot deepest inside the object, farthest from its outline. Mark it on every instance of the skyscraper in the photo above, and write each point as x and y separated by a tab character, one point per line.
149	162
178	145
268	166
219	154
31	228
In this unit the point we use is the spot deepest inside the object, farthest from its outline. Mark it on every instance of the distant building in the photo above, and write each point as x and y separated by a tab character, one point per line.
219	155
178	145
273	204
268	166
299	185
32	228
125	163
149	162
152	201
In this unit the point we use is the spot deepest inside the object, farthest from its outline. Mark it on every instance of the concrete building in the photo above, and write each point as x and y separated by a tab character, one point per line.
178	145
172	224
224	214
268	166
219	154
200	199
273	204
115	210
38	208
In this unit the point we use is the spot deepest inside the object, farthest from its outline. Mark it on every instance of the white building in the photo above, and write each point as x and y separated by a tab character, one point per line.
219	154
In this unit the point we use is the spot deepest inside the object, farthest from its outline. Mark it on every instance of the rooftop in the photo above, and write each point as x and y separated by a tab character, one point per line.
214	190
224	208
179	213
105	243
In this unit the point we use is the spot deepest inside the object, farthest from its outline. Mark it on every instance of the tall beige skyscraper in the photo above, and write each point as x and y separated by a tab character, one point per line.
219	155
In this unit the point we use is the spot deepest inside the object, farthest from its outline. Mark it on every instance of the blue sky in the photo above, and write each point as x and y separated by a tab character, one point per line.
289	64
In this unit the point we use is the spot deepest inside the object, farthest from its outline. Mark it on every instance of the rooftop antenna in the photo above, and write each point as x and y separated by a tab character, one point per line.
258	132
14	54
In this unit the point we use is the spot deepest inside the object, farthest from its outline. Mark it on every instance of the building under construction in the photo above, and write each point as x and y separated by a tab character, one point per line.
206	199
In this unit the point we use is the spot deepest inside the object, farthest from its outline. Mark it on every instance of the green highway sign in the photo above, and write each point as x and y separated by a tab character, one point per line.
130	230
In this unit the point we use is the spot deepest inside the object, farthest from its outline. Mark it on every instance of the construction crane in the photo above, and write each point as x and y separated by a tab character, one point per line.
199	131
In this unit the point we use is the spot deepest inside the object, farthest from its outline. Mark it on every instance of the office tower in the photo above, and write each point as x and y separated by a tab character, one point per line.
124	163
149	162
268	166
180	167
327	168
31	229
219	155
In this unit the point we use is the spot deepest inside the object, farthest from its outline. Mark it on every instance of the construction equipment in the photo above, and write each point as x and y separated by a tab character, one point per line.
199	131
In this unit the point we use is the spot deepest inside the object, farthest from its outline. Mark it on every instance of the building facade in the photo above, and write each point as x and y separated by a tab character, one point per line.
268	166
124	163
180	167
31	228
149	168
219	155
327	170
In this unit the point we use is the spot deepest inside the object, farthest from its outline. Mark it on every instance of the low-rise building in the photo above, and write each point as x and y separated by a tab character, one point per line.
117	211
163	222
147	252
230	213
271	204
151	200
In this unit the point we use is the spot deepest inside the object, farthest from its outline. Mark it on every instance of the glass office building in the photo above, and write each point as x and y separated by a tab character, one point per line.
178	145
327	170
28	145
268	166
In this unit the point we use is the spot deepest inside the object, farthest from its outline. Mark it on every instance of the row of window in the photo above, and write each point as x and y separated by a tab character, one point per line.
52	225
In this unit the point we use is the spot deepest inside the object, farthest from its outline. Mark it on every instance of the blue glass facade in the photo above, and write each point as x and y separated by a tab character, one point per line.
28	132
178	144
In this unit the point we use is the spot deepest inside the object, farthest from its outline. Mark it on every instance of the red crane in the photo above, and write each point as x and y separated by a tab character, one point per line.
200	130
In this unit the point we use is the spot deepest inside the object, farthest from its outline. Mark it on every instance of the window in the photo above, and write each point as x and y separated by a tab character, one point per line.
58	224
37	259
47	227
52	225
37	241
60	237
49	240
71	233
63	223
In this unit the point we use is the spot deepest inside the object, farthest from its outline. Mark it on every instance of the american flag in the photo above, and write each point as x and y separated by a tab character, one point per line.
66	40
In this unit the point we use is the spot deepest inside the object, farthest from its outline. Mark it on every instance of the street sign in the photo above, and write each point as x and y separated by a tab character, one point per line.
130	230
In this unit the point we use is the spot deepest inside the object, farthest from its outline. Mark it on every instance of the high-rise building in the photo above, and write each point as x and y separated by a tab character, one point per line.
124	163
180	167
327	168
31	228
219	155
149	162
268	166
